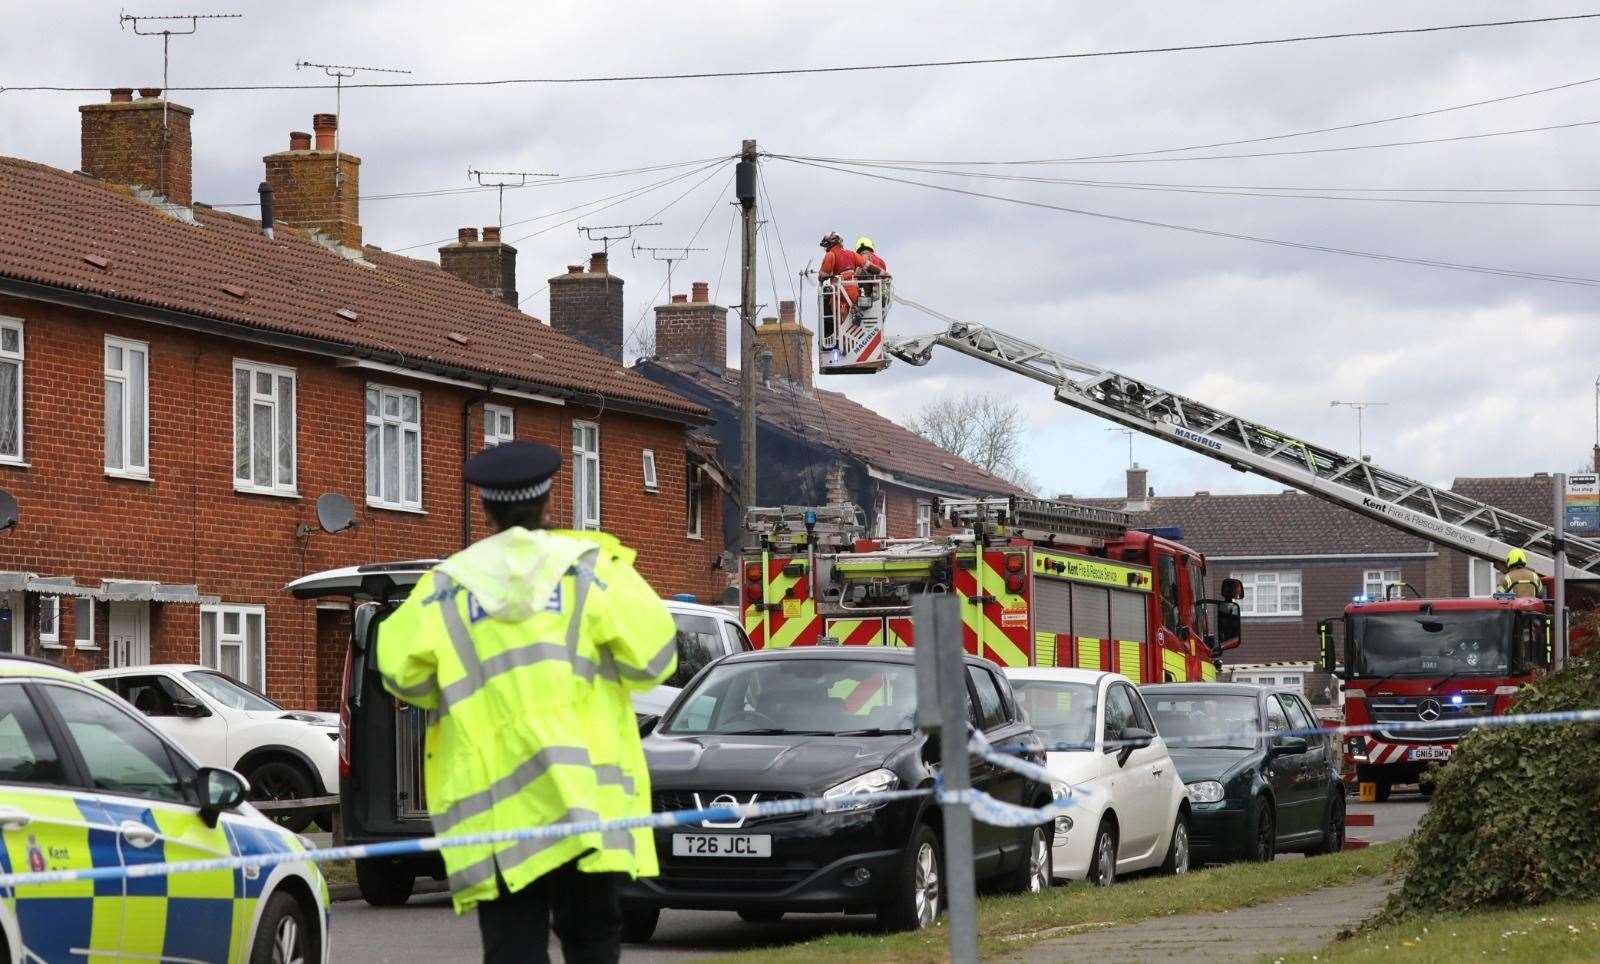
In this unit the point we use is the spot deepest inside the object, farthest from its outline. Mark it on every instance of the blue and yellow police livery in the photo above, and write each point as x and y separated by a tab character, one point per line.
86	782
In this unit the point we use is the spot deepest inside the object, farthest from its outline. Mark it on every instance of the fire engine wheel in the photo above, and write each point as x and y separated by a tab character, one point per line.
1381	791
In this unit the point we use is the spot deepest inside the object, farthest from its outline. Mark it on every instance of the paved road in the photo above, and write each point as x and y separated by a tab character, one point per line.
427	930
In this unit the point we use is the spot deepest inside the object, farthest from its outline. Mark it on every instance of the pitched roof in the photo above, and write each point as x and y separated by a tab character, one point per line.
406	312
1529	496
832	420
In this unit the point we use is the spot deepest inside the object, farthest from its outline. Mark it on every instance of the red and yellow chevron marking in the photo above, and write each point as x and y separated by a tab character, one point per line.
856	632
791	618
998	630
899	633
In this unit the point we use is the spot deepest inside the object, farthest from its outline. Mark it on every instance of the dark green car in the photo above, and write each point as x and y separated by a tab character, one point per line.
1250	797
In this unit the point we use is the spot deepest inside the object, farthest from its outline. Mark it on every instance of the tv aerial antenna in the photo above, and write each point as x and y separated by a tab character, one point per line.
656	253
504	180
166	34
339	72
607	233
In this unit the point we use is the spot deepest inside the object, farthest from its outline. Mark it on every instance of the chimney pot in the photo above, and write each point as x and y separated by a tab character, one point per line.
122	95
786	311
574	269
702	292
150	93
464	235
589	307
597	263
680	299
318	191
769	321
491	235
324	125
299	141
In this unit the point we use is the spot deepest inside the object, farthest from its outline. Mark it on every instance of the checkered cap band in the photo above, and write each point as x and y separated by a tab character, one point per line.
523	494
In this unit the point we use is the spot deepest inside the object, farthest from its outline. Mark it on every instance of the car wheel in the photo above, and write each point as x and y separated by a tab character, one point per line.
761	916
282	936
282	780
1333	831
384	884
1103	859
914	899
639	923
1033	874
1264	835
1177	861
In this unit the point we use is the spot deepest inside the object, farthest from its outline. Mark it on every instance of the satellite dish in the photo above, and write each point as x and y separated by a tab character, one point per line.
335	513
8	511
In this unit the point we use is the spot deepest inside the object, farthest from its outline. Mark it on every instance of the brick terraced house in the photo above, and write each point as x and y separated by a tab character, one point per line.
178	385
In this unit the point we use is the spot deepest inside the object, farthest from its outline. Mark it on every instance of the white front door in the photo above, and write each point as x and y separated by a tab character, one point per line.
130	634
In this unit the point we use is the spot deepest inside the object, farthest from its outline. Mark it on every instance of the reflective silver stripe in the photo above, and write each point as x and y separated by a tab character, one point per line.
504	662
483	870
611	775
657	665
617	840
508	786
584	573
460	636
427	687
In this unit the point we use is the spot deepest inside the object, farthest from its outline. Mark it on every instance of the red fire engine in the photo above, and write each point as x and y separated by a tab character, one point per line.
1042	583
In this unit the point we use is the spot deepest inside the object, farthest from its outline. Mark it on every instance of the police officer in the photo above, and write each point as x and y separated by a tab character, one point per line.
1519	579
524	647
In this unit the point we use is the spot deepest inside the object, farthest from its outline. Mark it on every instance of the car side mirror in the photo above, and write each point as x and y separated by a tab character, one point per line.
1133	738
189	708
219	790
1288	745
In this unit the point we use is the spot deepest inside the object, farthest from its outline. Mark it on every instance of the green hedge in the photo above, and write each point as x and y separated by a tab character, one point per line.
1516	815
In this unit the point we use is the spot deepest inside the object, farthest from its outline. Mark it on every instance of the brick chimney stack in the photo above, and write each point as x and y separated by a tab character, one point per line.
1138	489
691	327
587	305
123	142
790	344
488	264
310	192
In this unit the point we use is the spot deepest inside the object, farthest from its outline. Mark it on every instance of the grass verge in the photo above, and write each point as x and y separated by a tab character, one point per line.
1006	924
339	872
1547	934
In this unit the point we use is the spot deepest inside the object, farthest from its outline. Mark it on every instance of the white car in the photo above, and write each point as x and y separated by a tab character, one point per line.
285	754
1130	810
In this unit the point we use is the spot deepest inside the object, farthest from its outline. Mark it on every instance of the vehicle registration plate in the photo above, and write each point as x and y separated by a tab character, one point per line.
1431	753
722	845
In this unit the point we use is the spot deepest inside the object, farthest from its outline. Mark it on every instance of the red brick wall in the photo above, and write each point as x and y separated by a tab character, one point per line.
902	511
187	524
123	143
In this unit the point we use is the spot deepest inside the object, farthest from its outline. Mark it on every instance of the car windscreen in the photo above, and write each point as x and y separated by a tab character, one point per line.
699	642
799	696
1432	644
229	692
1225	722
1062	712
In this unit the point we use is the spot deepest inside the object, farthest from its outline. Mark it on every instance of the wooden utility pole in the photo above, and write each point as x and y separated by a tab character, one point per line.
745	189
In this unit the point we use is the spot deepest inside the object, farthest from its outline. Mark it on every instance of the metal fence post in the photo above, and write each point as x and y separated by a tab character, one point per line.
1559	539
942	706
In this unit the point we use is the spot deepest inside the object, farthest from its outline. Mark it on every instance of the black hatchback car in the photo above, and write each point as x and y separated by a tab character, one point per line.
1250	798
834	723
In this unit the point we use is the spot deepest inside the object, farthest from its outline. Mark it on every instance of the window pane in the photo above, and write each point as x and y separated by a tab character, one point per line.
413	467
120	754
591	495
408	407
241	425
83	620
10	407
137	420
372	401
391	404
261	442
113	424
113	358
230	661
208	639
391	463
255	644
577	437
263	383
230	624
10	339
285	430
374	488
26	754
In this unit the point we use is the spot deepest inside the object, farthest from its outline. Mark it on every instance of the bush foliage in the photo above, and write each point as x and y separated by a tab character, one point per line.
1516	815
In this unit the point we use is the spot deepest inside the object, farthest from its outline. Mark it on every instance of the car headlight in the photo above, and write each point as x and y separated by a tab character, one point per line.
1205	791
846	795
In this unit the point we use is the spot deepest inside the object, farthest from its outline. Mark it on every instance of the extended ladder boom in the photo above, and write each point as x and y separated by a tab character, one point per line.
1432	513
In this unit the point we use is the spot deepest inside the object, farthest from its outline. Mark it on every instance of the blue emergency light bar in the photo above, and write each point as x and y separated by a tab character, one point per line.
685	597
1175	533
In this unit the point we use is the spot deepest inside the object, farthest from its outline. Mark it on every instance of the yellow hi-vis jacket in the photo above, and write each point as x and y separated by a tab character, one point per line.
524	647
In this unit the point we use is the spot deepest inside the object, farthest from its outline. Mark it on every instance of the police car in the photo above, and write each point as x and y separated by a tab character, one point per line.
86	782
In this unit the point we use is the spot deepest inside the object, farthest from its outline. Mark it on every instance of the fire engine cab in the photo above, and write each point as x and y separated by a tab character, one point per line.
1041	582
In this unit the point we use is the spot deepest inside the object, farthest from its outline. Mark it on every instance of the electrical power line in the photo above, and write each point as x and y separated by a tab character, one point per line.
1214	233
856	68
633	332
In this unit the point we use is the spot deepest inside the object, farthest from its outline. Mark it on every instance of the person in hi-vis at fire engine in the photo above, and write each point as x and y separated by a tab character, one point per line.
525	646
1519	580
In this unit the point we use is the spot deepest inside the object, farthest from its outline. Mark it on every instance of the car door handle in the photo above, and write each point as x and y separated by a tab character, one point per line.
13	819
138	834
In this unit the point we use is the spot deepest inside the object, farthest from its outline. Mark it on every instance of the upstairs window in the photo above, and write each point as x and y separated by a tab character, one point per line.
499	425
650	470
127	408
10	390
1269	593
585	475
924	520
263	428
394	448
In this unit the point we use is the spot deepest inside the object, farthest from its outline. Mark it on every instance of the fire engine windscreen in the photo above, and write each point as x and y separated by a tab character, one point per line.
1432	644
1062	713
1227	718
814	697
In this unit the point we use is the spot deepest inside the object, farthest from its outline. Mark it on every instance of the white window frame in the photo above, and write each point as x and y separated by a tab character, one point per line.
694	503
1474	567
17	358
650	480
377	419
924	519
248	483
880	521
494	432
1380	578
128	470
80	638
582	457
52	605
1279	578
240	639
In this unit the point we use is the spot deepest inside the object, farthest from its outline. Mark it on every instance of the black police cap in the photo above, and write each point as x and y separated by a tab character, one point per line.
513	471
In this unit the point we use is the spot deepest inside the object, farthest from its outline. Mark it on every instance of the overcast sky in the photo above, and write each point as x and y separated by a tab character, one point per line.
1483	375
